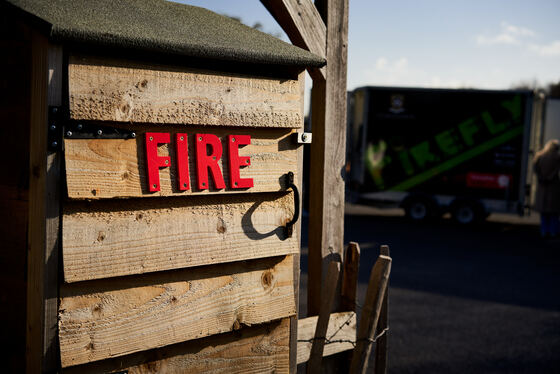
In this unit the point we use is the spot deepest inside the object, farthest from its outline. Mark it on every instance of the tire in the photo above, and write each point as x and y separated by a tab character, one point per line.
467	212
420	209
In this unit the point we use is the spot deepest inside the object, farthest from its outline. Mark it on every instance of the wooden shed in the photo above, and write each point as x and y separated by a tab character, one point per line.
150	189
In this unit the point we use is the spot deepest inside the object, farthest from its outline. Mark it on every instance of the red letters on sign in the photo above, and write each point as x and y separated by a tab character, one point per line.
208	151
182	161
236	161
153	161
205	161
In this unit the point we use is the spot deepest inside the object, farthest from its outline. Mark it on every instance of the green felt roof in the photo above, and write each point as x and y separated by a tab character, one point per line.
163	27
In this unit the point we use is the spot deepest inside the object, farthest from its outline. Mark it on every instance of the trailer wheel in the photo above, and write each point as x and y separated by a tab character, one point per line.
466	212
419	209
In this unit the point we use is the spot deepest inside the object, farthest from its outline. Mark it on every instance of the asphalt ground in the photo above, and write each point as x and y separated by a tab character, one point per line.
463	299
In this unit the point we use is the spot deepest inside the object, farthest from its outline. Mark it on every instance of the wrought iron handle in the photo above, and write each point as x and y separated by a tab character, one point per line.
291	223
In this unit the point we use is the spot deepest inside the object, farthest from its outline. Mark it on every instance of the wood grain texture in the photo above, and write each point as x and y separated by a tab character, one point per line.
104	239
53	219
256	349
37	204
298	233
371	311
320	337
326	198
341	335
351	269
109	318
110	90
303	24
109	168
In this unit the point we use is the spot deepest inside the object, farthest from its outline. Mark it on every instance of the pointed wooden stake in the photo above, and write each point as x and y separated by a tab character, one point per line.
370	314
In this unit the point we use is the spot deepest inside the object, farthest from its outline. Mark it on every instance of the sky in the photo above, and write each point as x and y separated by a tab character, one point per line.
489	44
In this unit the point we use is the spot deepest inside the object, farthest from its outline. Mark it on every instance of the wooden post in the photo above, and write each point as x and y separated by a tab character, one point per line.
316	356
328	118
294	319
37	205
370	314
382	325
53	217
308	26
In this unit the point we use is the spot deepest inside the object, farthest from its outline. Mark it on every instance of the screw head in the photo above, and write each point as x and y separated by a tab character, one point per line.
304	137
99	132
54	144
69	133
166	162
53	127
133	135
79	127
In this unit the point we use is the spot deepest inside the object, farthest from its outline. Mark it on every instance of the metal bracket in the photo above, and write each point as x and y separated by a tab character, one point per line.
55	125
289	228
79	130
303	137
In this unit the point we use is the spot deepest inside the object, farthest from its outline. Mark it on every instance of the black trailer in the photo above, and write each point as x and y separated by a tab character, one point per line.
430	151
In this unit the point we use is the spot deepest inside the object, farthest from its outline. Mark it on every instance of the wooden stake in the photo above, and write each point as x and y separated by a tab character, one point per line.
370	314
329	291
382	325
350	276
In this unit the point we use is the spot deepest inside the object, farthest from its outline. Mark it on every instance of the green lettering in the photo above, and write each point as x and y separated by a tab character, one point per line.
376	160
467	129
513	106
405	162
421	154
492	126
446	141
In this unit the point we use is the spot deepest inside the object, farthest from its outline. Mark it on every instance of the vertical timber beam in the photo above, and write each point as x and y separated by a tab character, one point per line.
328	111
53	217
37	205
294	319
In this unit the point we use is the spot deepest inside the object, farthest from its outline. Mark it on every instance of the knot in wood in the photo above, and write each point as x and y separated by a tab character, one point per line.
266	279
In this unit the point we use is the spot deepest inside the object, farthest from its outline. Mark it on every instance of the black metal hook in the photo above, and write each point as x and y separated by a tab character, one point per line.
290	184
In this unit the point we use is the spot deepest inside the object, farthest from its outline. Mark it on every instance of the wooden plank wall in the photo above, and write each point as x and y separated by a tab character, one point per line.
179	281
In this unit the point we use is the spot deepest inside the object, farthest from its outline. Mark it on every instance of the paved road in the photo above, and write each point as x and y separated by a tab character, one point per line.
480	299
